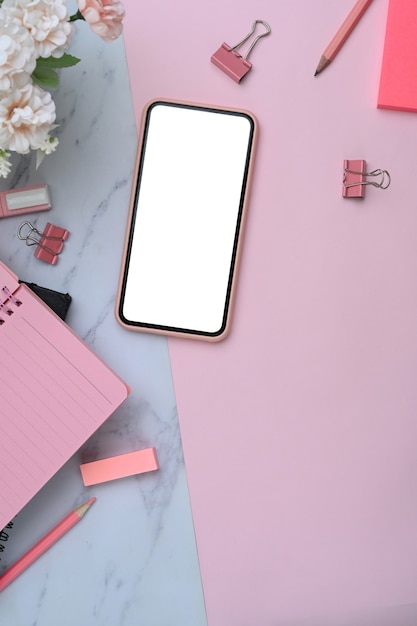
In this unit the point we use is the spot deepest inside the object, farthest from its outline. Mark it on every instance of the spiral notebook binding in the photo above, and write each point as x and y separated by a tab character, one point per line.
5	304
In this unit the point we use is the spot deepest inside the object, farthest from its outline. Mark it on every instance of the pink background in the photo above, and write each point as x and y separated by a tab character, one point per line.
398	88
299	430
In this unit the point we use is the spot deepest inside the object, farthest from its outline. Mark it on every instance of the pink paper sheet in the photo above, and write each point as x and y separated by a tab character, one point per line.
299	430
398	85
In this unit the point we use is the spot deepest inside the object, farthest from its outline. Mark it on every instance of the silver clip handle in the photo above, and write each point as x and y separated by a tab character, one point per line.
28	237
31	240
257	38
384	182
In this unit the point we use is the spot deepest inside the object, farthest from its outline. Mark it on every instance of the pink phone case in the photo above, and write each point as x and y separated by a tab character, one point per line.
179	332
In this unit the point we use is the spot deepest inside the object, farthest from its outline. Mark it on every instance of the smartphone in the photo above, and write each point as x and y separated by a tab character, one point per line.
187	211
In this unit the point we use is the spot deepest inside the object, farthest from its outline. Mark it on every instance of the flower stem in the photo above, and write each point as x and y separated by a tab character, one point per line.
77	16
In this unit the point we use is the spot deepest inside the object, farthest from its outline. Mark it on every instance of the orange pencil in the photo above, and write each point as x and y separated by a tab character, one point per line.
43	544
342	34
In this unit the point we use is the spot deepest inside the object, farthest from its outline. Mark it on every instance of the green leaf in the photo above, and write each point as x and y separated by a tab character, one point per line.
77	16
45	77
67	60
44	73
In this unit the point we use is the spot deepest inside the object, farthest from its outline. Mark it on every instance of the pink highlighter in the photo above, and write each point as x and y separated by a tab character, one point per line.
24	200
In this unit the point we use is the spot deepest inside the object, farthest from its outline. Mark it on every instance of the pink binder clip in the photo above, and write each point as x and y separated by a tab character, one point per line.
49	243
231	62
354	178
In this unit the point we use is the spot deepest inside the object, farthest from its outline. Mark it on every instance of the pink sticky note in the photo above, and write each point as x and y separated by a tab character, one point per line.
398	85
119	466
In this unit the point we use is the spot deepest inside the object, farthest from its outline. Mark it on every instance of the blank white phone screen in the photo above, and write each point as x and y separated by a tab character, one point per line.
186	218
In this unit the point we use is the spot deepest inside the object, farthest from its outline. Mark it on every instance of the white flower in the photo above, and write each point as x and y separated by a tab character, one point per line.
5	165
46	20
49	145
17	51
31	32
27	115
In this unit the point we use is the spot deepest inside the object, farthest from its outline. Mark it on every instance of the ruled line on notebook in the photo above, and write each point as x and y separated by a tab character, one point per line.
14	436
6	471
6	463
69	362
56	358
35	415
34	425
7	474
49	374
27	401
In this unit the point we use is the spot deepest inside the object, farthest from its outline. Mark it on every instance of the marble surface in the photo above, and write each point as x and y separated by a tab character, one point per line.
133	558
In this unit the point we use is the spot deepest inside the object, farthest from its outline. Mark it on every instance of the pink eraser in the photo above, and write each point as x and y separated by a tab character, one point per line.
119	466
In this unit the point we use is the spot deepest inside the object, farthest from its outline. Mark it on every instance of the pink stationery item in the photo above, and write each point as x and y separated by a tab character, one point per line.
355	178
49	243
24	200
45	543
120	466
398	86
228	59
55	393
342	34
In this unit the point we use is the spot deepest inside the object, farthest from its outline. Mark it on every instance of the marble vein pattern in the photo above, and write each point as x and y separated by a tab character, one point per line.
133	558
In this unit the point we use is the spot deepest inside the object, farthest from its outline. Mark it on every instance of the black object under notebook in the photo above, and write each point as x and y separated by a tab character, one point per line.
59	302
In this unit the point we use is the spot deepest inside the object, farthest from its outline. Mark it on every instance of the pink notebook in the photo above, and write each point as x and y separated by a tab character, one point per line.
55	392
398	85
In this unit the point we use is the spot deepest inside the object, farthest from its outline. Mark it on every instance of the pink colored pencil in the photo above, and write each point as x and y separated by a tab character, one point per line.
43	544
342	34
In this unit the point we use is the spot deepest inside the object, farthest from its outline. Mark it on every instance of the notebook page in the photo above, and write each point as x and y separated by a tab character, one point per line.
55	392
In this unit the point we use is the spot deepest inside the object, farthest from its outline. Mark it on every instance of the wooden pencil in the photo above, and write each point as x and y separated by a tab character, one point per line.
44	544
342	34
